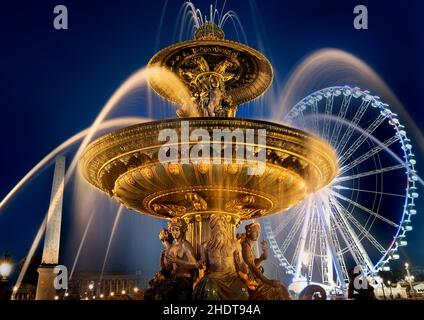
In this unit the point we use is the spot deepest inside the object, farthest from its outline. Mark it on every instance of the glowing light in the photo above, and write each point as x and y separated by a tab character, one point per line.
5	269
306	258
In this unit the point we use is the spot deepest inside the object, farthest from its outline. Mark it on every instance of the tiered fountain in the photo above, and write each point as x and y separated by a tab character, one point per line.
218	75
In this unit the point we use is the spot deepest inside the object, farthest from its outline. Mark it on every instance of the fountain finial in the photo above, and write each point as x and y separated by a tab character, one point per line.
209	31
219	74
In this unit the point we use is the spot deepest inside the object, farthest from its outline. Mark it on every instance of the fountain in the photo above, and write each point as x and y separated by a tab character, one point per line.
219	75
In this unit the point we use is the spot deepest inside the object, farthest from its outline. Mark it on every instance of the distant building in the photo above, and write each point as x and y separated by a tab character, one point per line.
87	285
25	292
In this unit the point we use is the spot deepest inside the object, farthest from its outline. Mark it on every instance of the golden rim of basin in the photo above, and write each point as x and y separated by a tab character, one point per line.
246	72
125	164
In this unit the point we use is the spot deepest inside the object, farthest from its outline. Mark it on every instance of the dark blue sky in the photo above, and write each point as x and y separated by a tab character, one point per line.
54	83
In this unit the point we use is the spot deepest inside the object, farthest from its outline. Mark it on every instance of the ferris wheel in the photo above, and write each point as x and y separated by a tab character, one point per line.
362	217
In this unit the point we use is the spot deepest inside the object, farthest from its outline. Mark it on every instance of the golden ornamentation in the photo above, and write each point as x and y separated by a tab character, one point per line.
220	74
296	165
196	202
174	168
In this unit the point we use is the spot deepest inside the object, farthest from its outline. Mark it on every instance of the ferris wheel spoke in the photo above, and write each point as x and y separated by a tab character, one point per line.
325	216
369	154
338	228
300	247
324	253
326	242
339	254
342	114
362	138
349	132
351	239
347	237
315	231
342	210
339	187
293	231
302	117
274	246
314	108
375	214
288	217
340	179
328	111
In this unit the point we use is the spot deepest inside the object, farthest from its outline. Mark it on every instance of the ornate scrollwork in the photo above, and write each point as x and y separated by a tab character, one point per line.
196	202
296	164
244	206
171	209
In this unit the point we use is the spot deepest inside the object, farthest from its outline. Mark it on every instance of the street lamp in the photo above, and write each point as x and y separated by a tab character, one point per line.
5	271
409	278
5	267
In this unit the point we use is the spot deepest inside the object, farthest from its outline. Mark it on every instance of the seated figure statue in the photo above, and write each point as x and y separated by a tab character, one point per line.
221	257
179	260
165	272
265	289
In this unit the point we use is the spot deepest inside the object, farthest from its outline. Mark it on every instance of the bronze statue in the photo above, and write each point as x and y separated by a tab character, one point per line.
221	256
266	289
165	272
179	260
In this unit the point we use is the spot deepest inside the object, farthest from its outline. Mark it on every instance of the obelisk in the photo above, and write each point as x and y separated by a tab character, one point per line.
50	258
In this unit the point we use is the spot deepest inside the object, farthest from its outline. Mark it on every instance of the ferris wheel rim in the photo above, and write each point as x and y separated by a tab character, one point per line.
408	163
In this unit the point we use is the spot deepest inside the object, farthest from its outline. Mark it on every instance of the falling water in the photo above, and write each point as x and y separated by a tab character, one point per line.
329	67
118	122
137	80
30	254
84	236
191	18
115	223
41	165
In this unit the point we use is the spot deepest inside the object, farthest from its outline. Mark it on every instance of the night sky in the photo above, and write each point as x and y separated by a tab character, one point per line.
54	83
